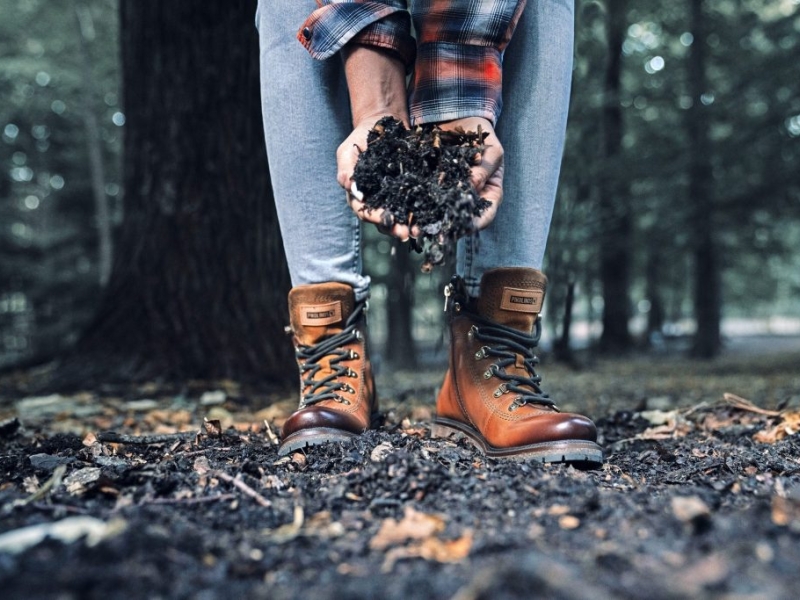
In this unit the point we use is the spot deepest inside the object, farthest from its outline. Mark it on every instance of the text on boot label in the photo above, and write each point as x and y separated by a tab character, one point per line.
318	315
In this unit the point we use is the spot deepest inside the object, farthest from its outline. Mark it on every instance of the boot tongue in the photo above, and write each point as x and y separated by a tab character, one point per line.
320	310
512	297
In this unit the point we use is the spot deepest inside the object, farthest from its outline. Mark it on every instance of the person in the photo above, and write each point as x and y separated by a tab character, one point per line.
329	71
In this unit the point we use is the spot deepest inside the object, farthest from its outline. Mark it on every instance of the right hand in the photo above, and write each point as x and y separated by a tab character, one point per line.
346	158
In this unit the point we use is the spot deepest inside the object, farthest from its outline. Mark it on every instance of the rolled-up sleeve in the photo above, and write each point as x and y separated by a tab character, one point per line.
385	24
459	65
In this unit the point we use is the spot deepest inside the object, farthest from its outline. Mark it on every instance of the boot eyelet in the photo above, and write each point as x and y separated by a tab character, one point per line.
503	389
456	307
354	355
351	373
482	353
489	373
345	401
472	331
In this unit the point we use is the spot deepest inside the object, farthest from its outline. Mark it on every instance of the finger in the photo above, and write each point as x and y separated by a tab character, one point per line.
491	160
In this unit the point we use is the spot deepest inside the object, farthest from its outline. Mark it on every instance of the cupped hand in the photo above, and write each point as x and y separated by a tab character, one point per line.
487	175
346	158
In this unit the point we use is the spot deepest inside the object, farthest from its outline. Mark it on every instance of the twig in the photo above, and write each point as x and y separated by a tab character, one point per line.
200	500
56	507
164	438
243	487
742	404
201	451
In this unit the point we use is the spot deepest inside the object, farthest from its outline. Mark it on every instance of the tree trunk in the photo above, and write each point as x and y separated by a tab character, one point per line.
85	26
199	283
615	214
707	277
400	351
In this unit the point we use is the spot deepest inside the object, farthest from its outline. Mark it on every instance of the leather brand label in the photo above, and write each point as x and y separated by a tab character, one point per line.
527	301
319	315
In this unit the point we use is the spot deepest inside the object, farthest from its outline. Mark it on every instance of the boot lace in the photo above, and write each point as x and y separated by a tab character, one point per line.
506	344
309	357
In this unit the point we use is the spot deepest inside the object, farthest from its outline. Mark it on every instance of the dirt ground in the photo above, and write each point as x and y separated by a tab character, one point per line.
155	492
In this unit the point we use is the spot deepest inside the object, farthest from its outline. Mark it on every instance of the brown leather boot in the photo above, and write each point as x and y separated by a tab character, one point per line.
491	393
337	393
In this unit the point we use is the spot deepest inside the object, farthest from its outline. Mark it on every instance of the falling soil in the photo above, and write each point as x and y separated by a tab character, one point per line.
421	177
174	493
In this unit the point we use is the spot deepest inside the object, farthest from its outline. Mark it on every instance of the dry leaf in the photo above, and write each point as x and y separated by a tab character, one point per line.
569	522
789	425
414	526
381	451
431	549
786	509
213	427
689	508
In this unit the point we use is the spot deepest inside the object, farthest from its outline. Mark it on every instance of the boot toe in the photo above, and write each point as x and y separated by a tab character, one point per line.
316	417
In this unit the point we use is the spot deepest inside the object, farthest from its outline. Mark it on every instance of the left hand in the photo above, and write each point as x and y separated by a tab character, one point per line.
487	176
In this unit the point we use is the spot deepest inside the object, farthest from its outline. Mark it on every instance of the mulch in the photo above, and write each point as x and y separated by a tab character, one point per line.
180	493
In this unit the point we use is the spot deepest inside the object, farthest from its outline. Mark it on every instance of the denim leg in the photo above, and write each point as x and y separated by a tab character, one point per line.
306	112
537	73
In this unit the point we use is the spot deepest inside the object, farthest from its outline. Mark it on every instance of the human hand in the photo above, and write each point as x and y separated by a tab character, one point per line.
487	175
376	81
346	158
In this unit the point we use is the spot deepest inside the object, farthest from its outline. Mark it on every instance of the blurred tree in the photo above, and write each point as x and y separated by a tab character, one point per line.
48	238
707	269
616	233
199	282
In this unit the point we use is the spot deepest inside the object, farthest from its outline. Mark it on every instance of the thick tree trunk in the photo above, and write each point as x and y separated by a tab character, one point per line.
707	277
617	228
199	283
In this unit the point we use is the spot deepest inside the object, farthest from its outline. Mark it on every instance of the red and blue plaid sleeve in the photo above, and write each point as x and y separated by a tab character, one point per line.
385	24
459	66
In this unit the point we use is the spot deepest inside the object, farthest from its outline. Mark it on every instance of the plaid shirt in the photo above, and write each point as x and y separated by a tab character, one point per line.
457	56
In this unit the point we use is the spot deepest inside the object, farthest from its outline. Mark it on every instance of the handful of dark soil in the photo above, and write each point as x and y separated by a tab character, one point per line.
420	177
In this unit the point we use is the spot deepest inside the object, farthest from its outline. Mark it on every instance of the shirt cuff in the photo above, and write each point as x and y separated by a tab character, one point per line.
454	81
379	24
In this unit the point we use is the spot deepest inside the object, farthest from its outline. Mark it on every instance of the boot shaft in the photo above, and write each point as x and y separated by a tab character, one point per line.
510	296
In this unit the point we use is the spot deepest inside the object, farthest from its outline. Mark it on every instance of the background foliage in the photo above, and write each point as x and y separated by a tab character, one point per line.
60	71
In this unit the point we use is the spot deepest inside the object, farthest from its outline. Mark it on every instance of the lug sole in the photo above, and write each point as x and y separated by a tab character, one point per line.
580	453
316	436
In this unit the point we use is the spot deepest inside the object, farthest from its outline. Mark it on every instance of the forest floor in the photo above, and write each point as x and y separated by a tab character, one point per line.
156	492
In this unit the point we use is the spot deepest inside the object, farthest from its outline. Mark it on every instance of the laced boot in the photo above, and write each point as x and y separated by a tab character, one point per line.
337	393
491	394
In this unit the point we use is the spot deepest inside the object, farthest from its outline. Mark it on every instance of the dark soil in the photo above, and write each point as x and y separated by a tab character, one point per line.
421	177
688	504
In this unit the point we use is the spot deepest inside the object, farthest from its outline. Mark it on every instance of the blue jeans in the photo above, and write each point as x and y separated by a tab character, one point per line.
306	112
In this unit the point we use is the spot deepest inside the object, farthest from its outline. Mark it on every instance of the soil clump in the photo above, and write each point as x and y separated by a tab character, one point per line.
421	176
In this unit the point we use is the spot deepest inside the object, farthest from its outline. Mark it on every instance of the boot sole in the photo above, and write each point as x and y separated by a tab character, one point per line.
319	436
580	453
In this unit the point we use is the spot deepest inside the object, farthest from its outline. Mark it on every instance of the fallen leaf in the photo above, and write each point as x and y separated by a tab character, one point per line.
786	509
569	522
688	508
431	549
414	526
213	427
67	530
381	451
789	425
